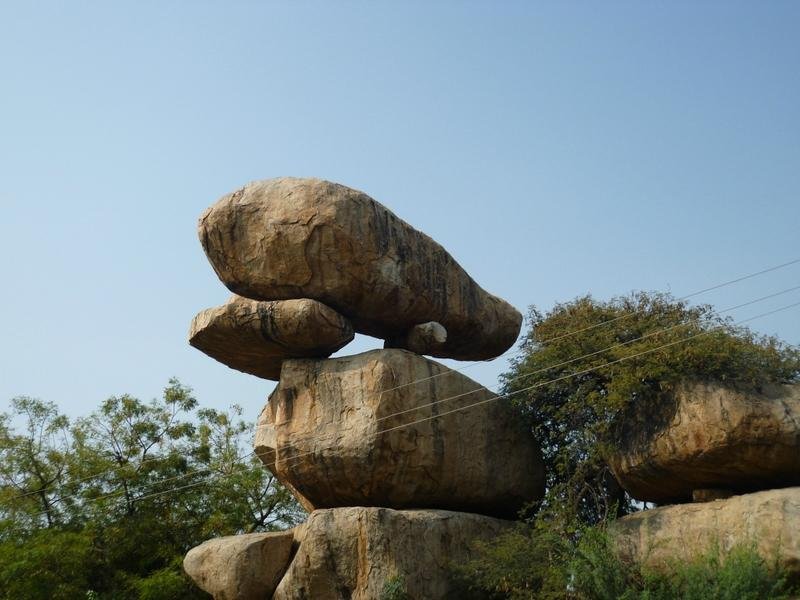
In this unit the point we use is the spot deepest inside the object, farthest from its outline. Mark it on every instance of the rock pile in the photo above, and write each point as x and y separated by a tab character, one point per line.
306	238
398	480
723	449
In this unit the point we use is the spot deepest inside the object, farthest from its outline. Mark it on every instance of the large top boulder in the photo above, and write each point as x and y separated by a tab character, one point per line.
256	337
706	440
306	238
386	428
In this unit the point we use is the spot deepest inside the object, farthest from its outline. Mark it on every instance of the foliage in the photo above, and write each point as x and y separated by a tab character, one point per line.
534	563
46	565
526	562
585	361
394	589
742	575
107	506
583	364
168	583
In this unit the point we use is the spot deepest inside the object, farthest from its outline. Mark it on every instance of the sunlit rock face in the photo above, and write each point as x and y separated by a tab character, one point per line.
704	437
307	238
391	428
662	537
256	337
353	552
401	462
241	567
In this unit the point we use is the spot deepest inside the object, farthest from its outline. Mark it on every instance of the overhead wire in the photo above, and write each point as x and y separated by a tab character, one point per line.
539	384
567	362
603	323
288	460
555	338
60	499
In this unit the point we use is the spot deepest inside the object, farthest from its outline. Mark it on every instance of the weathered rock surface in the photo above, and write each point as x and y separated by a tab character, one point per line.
241	567
256	337
350	553
665	536
425	338
307	238
330	433
706	437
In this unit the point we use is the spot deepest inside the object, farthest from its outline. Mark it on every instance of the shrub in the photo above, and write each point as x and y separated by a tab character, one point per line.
537	562
629	349
394	589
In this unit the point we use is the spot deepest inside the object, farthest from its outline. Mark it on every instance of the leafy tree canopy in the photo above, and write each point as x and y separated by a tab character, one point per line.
585	361
106	507
580	366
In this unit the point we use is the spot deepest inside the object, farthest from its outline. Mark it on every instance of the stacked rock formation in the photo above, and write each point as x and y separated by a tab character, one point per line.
734	454
398	476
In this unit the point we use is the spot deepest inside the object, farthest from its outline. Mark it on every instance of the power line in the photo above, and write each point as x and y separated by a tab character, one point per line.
543	383
145	485
743	278
595	353
448	371
561	364
607	322
455	410
101	473
585	371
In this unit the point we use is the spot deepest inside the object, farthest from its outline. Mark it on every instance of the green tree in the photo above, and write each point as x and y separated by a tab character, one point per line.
535	562
33	464
585	361
581	365
123	494
252	499
50	564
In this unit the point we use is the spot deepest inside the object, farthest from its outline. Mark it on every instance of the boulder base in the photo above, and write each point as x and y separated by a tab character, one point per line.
328	434
241	567
307	238
663	536
256	337
712	440
350	553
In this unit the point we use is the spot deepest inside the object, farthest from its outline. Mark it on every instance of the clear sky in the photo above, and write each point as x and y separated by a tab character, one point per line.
554	149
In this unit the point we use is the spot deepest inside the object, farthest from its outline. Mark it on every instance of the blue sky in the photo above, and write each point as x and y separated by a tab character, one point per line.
554	148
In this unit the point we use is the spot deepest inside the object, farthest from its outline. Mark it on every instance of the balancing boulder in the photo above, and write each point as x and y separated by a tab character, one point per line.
256	337
707	441
307	238
391	428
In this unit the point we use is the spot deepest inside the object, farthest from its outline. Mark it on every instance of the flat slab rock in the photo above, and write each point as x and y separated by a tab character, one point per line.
306	238
350	553
706	437
328	433
256	337
663	536
241	567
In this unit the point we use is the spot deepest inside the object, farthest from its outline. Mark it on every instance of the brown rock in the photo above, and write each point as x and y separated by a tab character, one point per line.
706	436
661	537
307	238
709	494
350	553
241	567
256	337
323	433
425	338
